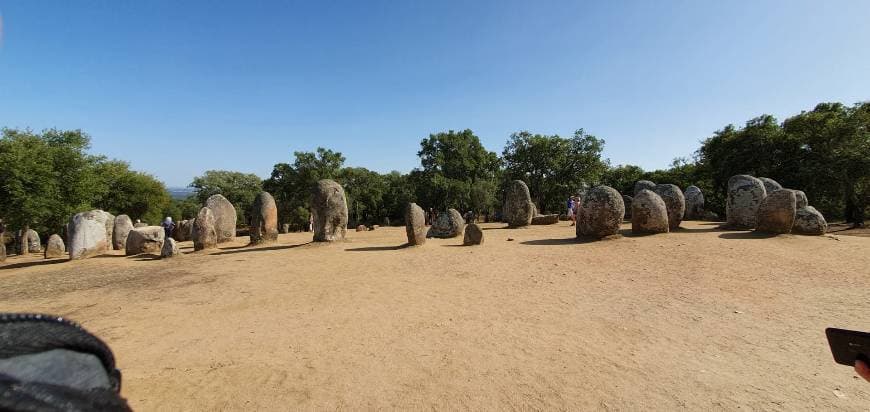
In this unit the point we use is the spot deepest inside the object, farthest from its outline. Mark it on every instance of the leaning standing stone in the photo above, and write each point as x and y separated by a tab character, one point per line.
87	234
170	248
518	208
264	219
675	201
224	217
415	224
34	244
473	235
808	221
123	226
204	233
601	212
148	239
329	210
694	203
649	213
745	194
776	213
770	185
448	224
55	247
643	184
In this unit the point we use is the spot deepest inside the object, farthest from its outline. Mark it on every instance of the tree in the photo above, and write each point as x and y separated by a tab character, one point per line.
239	188
136	194
552	166
622	178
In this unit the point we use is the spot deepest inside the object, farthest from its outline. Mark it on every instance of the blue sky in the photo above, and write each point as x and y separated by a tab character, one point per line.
177	88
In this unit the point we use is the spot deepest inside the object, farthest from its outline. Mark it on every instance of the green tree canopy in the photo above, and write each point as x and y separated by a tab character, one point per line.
239	188
291	184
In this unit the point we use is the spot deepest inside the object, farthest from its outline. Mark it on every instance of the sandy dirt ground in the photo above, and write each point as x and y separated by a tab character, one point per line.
699	319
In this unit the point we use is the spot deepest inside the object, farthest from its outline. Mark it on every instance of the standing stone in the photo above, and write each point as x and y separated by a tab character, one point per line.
675	201
361	228
415	224
329	209
694	203
148	239
777	212
224	217
643	184
87	234
808	221
285	228
448	224
34	244
2	251
473	235
745	194
770	185
264	219
627	201
21	242
122	228
55	247
169	249
649	214
110	230
601	212
518	209
204	233
184	230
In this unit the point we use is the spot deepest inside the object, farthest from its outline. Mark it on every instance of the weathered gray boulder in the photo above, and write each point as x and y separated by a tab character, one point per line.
745	194
169	249
329	209
473	235
55	247
626	200
649	214
776	213
448	224
415	224
183	231
545	219
87	234
809	221
224	217
801	199
264	219
694	203
643	184
34	244
123	226
148	239
518	208
770	185
675	201
601	212
204	233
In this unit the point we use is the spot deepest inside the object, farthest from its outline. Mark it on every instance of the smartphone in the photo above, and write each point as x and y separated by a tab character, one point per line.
847	346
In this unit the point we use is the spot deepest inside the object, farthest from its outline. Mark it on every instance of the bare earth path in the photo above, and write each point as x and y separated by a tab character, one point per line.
698	319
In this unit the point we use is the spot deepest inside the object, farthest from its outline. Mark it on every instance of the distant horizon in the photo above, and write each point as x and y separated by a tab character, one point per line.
179	89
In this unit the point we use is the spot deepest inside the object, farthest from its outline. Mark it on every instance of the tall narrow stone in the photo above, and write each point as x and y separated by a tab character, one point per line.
224	217
329	209
204	233
518	208
415	224
264	219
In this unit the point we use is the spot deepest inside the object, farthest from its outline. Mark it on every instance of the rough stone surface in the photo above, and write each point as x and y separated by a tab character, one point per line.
675	201
601	212
264	219
649	214
2	251
361	228
34	244
518	208
148	239
643	184
473	235
448	224
86	234
545	219
224	217
55	247
183	230
694	203
770	185
329	208
123	226
415	224
140	224
627	200
169	249
285	228
204	233
777	212
745	194
809	221
110	230
801	199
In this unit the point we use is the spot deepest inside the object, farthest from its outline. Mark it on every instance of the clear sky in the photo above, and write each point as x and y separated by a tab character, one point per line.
180	87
